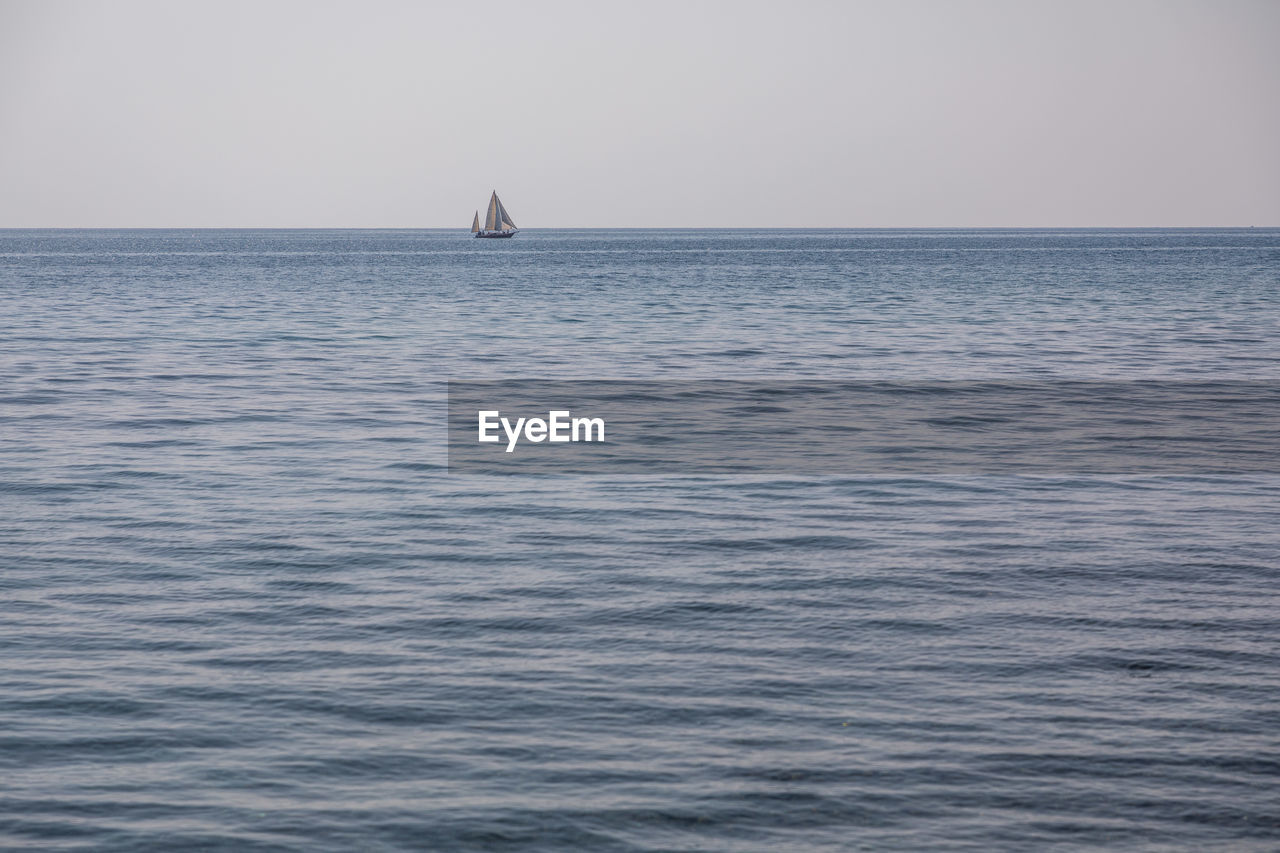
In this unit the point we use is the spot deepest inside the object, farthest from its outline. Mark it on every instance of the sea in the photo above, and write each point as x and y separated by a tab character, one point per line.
246	605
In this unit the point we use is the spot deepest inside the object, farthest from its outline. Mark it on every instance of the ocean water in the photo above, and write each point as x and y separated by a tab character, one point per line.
245	606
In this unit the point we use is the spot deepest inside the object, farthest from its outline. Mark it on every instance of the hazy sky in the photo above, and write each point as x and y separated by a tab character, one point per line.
604	114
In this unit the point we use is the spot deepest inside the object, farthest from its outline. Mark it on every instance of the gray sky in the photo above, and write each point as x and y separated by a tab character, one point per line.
602	114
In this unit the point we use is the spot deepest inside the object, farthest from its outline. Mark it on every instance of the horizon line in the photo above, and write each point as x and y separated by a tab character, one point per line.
466	229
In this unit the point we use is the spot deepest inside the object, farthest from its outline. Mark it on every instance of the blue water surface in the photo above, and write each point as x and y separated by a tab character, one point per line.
244	606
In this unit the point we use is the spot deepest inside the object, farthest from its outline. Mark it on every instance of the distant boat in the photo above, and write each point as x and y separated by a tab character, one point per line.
497	222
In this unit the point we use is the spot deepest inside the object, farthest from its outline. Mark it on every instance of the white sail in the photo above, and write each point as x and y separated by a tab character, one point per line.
504	216
492	222
475	223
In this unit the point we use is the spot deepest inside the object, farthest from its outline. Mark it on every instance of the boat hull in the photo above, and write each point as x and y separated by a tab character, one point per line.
490	234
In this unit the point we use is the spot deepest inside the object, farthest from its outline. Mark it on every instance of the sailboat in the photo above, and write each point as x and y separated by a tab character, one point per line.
497	222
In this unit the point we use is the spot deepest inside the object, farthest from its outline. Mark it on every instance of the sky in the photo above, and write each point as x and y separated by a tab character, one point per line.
969	113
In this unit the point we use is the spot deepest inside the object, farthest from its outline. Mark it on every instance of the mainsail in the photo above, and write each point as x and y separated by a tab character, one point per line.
475	223
491	219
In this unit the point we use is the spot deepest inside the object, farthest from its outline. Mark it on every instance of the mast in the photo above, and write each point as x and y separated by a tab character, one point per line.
475	223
